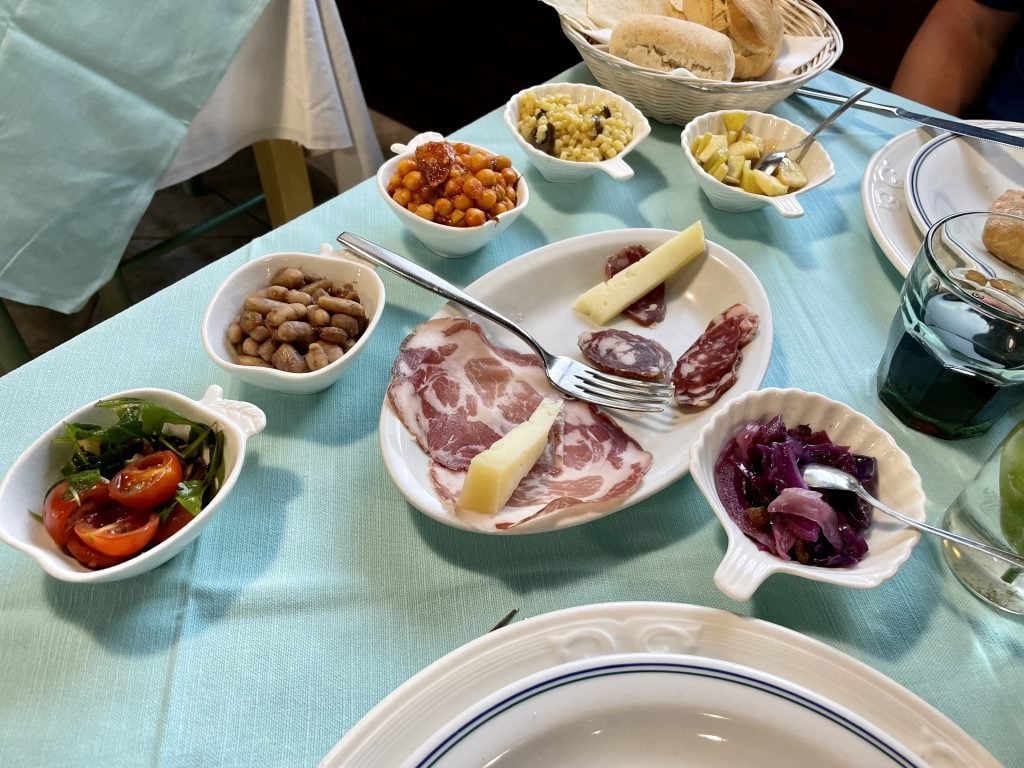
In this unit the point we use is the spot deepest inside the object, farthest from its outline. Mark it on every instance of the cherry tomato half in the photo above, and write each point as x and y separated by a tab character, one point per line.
178	519
60	515
118	532
89	557
147	482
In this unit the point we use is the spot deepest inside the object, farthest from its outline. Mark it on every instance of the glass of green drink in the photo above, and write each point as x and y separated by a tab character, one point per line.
954	360
991	509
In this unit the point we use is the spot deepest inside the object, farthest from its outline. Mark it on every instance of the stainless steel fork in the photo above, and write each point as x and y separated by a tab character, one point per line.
568	376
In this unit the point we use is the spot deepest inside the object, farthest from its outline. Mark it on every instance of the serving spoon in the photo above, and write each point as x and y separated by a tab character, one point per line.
830	478
771	161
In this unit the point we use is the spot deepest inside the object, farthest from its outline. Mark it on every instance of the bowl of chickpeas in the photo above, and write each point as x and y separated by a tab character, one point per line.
453	196
573	130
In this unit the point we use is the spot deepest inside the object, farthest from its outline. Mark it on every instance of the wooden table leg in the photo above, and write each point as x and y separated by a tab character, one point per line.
285	179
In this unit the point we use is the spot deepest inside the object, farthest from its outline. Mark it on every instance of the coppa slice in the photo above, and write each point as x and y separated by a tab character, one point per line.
457	393
708	368
605	300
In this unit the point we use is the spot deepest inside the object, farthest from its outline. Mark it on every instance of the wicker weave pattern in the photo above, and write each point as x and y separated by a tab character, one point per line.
678	100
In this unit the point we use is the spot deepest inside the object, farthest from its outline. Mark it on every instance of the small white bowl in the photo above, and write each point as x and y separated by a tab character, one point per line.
745	566
227	302
444	240
38	467
816	163
558	170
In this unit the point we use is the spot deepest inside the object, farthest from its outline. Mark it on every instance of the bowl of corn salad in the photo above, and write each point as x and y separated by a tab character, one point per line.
572	130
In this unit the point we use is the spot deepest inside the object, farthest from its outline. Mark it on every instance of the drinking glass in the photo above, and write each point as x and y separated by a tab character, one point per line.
991	510
954	360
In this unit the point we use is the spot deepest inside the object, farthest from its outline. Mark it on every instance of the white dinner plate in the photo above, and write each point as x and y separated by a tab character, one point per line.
537	290
403	721
951	174
885	207
657	710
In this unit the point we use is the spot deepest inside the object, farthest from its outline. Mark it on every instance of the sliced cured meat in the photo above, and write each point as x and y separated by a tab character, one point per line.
457	393
599	466
435	160
626	354
706	370
649	308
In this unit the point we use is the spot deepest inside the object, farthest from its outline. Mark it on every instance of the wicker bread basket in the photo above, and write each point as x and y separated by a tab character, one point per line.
673	99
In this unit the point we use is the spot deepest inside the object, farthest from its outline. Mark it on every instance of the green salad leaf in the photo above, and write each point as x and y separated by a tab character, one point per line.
139	428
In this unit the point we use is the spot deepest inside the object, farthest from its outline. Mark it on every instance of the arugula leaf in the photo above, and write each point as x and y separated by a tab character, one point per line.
104	451
190	495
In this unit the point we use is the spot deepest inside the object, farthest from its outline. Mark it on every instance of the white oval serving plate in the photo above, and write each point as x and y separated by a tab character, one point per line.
537	290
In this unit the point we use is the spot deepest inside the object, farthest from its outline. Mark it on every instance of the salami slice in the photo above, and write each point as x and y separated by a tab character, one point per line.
649	308
708	368
626	354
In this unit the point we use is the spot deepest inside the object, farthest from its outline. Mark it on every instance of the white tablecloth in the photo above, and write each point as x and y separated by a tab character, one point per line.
293	78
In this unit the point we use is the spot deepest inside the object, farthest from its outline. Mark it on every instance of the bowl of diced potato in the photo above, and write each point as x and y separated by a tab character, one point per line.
722	149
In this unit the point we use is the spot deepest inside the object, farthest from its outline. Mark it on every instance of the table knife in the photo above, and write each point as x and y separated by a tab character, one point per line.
953	126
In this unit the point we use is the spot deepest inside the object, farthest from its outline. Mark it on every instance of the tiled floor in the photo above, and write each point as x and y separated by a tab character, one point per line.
171	212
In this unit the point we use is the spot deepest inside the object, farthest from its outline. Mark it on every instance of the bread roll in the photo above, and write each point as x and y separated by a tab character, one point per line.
1004	237
661	42
753	26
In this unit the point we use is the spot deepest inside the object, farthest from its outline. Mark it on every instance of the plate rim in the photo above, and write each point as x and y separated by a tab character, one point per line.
519	692
526	646
910	187
869	185
389	424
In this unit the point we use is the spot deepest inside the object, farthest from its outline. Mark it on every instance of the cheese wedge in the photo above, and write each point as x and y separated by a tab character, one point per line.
605	300
494	474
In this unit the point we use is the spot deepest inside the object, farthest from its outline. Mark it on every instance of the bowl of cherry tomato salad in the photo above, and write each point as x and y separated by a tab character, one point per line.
453	196
122	485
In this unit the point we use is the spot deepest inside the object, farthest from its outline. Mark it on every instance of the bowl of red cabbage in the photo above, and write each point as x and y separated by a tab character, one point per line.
747	462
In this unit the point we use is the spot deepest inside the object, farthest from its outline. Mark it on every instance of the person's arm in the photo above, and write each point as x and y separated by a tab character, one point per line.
952	54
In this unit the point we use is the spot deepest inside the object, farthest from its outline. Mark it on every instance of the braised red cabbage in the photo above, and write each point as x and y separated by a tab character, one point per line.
758	480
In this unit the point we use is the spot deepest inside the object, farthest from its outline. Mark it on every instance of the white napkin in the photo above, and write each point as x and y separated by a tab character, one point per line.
797	50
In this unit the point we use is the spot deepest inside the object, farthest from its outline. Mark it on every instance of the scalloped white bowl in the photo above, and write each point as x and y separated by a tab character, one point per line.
816	163
38	467
890	544
450	242
227	302
558	170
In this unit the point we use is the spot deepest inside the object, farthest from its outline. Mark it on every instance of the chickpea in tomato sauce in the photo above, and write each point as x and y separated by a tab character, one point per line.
454	184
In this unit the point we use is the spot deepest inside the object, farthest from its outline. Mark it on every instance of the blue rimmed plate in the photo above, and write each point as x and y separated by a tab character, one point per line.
658	709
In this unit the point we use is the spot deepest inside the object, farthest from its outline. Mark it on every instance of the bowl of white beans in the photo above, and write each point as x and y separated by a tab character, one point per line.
572	130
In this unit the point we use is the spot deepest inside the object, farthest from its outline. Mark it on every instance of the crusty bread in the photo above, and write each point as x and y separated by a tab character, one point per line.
1005	237
665	43
753	26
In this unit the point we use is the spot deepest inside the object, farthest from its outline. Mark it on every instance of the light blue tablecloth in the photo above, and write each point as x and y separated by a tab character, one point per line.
95	99
317	590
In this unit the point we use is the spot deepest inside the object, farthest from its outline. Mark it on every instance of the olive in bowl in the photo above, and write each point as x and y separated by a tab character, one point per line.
719	144
454	197
828	545
293	322
83	533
